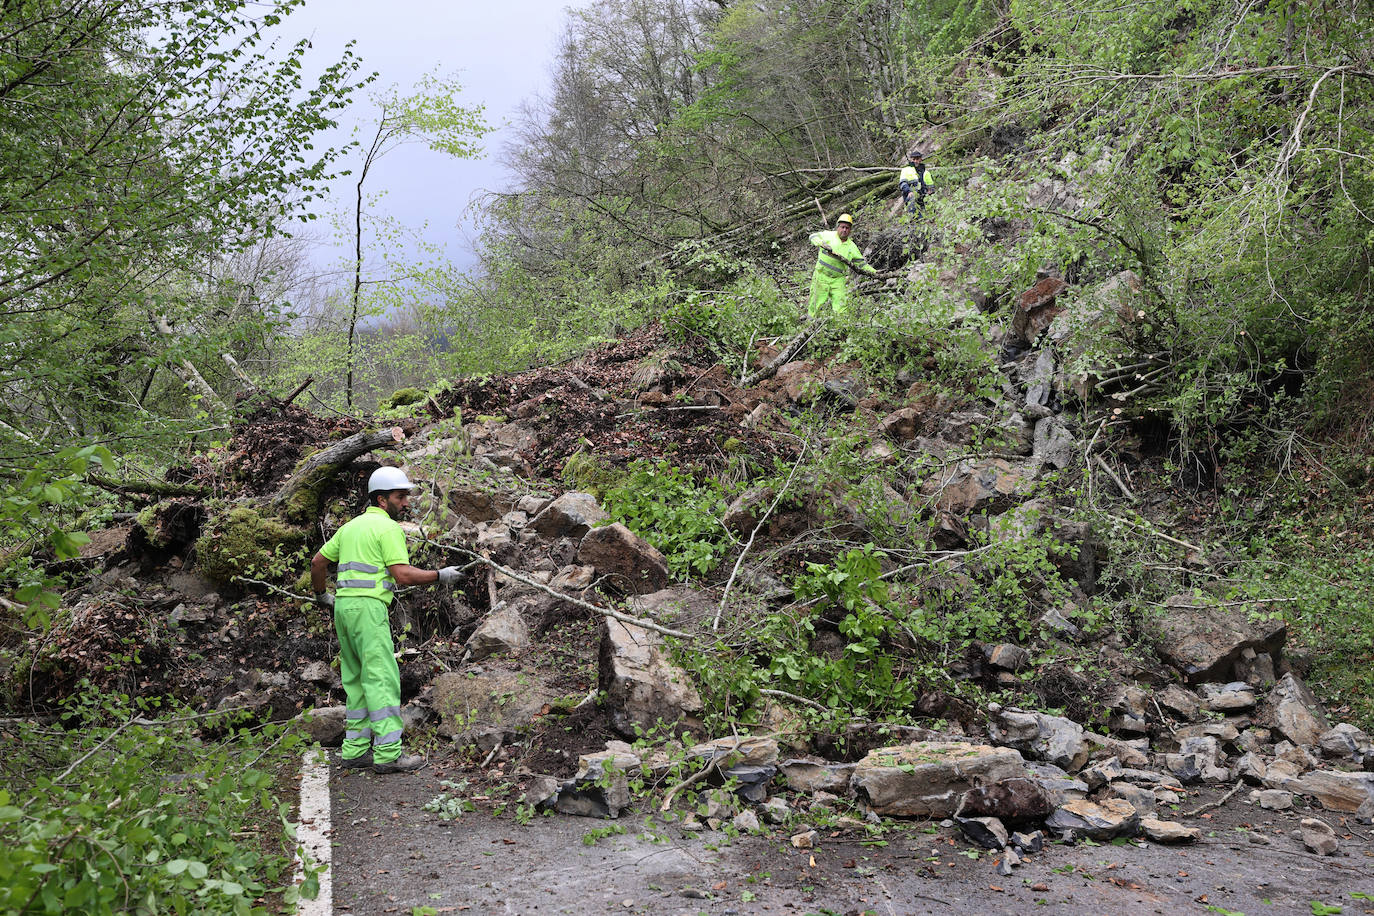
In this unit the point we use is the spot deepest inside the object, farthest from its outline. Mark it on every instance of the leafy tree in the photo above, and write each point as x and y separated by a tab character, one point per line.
139	145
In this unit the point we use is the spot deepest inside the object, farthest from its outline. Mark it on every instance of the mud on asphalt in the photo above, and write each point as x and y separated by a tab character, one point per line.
392	856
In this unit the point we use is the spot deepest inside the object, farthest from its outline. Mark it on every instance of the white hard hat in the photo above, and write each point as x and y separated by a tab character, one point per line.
384	479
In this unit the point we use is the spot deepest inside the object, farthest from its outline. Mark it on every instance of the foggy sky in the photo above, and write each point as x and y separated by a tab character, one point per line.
503	53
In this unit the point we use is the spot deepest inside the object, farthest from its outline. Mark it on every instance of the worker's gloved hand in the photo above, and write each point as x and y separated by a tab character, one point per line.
324	600
448	575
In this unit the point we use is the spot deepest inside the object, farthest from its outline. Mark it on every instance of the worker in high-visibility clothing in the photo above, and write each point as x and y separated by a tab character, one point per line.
836	257
915	181
373	561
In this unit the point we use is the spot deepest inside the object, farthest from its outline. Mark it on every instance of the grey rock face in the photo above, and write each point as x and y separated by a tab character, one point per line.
1346	742
642	684
570	515
1319	837
503	632
1078	819
928	778
1016	800
813	774
1168	831
325	725
601	787
987	832
1295	712
1052	739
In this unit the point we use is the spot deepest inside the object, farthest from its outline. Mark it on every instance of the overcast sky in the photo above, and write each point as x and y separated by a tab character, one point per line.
503	52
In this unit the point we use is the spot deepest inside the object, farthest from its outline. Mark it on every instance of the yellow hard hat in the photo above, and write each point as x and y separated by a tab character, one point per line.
845	218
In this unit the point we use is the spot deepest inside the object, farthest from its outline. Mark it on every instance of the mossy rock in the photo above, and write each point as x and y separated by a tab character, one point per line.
402	397
245	542
584	473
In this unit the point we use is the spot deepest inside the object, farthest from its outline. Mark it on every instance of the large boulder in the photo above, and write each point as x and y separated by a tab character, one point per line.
1035	309
571	515
631	562
1052	739
643	687
1112	817
503	632
1294	712
929	778
974	486
1204	641
323	724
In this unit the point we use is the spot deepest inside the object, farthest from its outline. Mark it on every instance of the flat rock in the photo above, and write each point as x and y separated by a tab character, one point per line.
1017	800
813	774
601	787
1275	799
745	750
1319	837
642	685
1180	702
1228	697
1335	789
987	832
1343	742
504	700
1204	642
324	724
1006	656
1111	818
1168	831
928	778
502	632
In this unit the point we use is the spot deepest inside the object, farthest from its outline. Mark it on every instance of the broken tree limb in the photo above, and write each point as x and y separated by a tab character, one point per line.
792	349
300	498
186	371
585	605
238	372
309	379
1125	490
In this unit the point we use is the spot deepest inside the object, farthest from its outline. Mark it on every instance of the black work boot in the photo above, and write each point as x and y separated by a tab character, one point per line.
356	763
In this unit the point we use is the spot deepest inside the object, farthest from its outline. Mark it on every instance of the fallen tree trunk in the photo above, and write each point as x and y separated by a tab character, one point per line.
300	499
159	488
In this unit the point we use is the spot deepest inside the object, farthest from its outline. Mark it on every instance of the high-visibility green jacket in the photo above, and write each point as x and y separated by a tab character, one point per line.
828	241
364	548
910	174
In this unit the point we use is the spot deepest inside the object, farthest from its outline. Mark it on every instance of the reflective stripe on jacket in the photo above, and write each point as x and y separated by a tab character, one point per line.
832	251
364	548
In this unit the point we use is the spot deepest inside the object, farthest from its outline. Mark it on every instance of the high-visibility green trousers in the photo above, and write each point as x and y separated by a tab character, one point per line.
827	290
371	679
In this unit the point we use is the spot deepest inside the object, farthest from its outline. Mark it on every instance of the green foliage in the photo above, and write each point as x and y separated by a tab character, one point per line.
141	817
677	514
402	397
242	541
35	510
584	473
170	141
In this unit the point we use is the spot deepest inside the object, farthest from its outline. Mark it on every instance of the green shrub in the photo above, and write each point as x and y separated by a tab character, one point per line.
675	513
143	817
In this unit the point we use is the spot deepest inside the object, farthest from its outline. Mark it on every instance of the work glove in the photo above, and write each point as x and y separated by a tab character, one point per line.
324	600
448	575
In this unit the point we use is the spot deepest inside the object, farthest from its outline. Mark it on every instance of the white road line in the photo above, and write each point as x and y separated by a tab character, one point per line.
314	831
